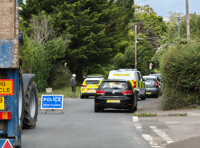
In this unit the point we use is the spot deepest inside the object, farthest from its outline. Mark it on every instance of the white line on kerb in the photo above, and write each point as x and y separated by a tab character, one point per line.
135	119
161	134
150	139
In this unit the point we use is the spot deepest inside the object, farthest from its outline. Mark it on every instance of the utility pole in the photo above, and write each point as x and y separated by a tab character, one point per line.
135	46
188	20
178	25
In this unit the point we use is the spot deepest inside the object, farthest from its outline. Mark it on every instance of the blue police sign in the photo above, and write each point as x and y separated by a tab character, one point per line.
52	102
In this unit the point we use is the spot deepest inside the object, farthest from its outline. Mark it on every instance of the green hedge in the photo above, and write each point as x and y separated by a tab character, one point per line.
180	67
106	75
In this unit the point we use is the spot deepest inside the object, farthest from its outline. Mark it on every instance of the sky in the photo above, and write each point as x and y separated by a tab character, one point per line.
162	7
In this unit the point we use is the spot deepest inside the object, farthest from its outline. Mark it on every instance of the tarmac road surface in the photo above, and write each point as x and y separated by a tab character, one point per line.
81	127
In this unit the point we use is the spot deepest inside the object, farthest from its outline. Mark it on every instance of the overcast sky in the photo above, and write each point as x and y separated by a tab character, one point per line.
162	7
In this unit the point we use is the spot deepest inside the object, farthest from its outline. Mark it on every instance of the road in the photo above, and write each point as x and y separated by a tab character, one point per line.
161	131
81	127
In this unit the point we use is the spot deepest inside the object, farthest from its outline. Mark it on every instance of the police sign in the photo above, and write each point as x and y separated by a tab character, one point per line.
52	102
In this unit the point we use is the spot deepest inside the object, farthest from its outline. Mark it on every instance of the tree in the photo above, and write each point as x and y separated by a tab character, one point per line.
144	53
96	28
149	24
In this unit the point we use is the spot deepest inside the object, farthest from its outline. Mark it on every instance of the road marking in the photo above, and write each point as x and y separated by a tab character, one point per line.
150	139
161	134
193	114
138	126
146	136
135	119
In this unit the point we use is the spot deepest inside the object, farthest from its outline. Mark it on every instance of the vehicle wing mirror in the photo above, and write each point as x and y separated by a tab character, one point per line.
21	39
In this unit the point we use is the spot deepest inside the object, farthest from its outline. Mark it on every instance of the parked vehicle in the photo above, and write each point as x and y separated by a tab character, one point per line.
134	76
160	83
90	85
152	85
18	93
115	93
157	75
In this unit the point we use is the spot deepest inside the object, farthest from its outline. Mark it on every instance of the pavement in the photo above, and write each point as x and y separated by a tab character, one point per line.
155	108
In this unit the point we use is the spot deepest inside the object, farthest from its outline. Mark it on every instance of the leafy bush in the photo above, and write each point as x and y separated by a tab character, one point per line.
96	69
106	75
163	48
59	77
40	64
180	67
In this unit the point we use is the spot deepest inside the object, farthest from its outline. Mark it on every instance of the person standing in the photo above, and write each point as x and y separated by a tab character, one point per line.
73	84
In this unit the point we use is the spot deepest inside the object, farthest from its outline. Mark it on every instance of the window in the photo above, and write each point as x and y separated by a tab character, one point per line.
92	82
114	85
139	76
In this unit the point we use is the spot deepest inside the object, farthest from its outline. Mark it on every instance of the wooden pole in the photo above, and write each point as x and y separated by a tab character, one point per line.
188	20
135	46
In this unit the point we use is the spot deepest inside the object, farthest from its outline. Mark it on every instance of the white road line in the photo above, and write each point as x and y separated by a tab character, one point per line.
193	114
135	119
162	134
150	139
138	126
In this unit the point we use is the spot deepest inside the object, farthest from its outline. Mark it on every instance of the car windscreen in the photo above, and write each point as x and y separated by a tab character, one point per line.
92	82
150	82
113	85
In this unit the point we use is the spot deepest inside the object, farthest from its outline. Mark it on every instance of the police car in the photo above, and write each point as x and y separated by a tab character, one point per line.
90	85
134	76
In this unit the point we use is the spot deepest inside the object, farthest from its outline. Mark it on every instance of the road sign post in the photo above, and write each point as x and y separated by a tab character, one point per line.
53	102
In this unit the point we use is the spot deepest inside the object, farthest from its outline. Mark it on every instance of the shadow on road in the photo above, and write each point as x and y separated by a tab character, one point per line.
109	110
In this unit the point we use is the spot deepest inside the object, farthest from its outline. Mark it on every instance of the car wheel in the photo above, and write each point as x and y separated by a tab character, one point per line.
157	95
143	98
96	109
87	97
136	95
131	110
135	108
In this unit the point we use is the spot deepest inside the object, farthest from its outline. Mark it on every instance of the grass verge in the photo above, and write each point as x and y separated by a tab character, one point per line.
145	115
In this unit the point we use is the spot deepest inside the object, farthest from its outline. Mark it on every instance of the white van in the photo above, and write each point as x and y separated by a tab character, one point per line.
134	76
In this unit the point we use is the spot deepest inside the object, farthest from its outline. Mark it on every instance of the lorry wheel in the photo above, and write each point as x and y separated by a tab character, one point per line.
143	98
21	101
31	108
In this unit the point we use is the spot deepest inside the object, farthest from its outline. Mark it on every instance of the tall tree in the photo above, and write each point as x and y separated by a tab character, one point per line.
150	24
96	27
